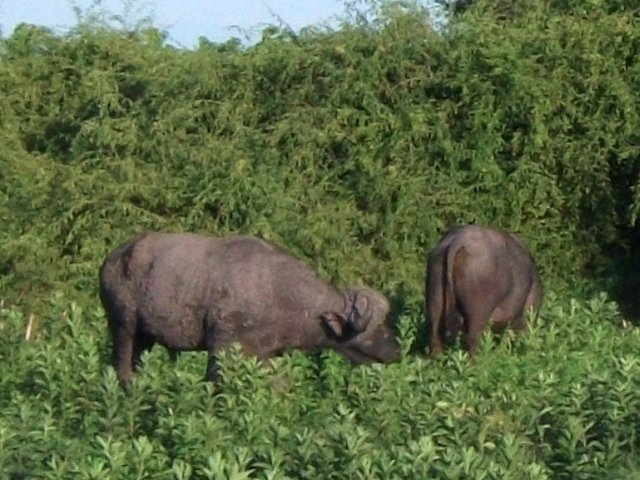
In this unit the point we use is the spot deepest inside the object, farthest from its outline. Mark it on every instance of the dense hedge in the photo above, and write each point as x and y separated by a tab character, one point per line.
353	147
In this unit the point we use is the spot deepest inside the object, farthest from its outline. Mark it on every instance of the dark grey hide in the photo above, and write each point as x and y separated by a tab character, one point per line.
195	292
479	277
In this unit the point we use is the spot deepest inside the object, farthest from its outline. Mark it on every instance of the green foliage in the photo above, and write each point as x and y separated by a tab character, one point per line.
354	148
561	402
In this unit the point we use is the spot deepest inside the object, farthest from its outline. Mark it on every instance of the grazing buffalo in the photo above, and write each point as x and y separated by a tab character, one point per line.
193	292
478	276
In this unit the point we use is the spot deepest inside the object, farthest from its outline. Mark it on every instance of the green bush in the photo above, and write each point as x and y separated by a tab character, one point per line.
561	402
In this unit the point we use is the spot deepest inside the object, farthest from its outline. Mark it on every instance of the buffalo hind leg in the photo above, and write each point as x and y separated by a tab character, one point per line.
519	323
141	344
434	308
123	336
475	322
531	304
501	320
435	347
473	335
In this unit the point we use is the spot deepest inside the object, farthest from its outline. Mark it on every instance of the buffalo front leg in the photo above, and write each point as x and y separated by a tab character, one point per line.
212	373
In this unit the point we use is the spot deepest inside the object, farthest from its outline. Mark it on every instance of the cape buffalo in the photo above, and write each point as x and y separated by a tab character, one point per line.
478	276
194	292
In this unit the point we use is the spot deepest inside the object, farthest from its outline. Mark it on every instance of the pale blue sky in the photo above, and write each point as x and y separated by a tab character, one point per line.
185	20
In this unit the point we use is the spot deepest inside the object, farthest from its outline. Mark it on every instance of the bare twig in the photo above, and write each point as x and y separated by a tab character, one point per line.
27	334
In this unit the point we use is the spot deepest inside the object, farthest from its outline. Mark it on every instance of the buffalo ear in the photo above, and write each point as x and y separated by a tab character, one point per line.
334	323
359	316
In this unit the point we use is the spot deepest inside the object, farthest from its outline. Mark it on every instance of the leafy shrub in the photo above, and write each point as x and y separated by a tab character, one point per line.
561	402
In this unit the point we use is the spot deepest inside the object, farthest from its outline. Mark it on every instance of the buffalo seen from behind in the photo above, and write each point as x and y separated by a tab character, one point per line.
479	277
194	292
